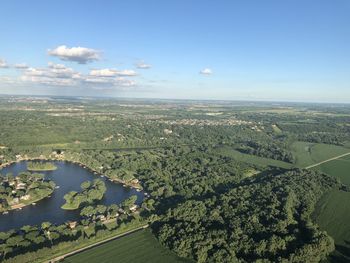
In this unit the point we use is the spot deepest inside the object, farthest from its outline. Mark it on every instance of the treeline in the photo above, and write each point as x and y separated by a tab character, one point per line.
262	219
97	222
324	137
268	150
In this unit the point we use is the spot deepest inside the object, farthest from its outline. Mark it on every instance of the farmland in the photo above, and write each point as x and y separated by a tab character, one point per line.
310	153
138	247
333	210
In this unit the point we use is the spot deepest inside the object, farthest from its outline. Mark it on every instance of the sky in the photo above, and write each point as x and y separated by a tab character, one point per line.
291	50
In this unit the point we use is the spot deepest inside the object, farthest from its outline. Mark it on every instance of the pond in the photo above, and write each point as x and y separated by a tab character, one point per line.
68	176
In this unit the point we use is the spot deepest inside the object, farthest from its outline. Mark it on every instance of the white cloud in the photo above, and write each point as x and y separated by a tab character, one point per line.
56	66
206	71
3	63
54	74
82	55
108	82
127	73
112	73
60	75
21	66
143	65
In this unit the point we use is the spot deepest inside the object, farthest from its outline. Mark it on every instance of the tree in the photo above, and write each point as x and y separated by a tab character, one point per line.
129	202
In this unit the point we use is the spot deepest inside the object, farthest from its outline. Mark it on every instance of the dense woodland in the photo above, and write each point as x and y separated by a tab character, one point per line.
202	203
264	218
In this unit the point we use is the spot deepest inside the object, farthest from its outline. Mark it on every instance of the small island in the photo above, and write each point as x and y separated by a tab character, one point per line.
22	190
41	166
91	192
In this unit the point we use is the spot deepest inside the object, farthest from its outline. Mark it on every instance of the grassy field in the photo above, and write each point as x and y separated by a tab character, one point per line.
139	247
310	153
332	212
229	151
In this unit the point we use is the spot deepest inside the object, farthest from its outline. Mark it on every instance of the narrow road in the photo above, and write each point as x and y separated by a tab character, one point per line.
59	258
325	161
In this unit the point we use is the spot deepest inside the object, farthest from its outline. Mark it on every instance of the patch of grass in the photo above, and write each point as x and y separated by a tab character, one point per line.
138	247
307	153
252	159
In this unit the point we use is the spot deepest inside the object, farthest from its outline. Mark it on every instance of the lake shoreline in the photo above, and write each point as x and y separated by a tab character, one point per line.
125	184
28	203
21	205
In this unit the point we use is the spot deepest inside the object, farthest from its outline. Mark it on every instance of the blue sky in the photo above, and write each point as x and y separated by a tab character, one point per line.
294	50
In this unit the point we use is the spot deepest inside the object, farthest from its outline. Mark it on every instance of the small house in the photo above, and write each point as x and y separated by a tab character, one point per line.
72	224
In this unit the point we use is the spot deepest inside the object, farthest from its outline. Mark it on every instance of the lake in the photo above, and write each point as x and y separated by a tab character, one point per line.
68	176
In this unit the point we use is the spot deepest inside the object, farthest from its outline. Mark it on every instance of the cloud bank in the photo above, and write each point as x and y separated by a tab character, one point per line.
60	75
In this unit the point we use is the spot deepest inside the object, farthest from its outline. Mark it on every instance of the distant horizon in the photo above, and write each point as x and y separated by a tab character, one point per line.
172	99
269	50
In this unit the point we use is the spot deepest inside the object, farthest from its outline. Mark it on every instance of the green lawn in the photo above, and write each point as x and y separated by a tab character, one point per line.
229	151
139	247
332	212
307	153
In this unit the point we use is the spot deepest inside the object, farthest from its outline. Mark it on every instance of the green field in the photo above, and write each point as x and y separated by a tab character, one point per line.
339	168
332	212
307	153
252	159
139	247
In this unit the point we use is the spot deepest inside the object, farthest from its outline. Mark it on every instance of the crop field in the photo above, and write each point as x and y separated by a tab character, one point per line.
138	247
310	153
333	210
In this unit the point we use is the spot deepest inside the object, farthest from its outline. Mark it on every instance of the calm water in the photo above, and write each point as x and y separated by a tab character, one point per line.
68	177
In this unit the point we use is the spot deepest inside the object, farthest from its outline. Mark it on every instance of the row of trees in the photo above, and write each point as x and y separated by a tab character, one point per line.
268	150
97	220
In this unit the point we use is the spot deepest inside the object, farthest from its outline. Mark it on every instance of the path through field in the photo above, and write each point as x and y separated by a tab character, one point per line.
325	161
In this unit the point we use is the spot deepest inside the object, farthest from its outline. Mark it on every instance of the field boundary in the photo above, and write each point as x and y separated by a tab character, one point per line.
328	160
59	258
